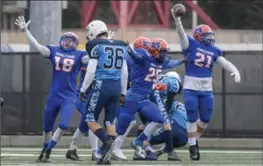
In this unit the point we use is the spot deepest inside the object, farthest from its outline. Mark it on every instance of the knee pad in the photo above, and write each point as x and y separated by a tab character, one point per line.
191	127
63	126
202	124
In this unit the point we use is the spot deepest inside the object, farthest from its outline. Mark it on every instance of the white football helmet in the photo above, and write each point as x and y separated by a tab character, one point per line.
174	74
96	28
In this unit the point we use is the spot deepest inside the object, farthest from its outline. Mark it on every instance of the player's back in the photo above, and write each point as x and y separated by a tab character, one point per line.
200	59
144	74
66	66
110	55
178	114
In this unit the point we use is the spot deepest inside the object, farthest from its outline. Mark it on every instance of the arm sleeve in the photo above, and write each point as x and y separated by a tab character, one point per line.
90	74
226	64
42	49
124	78
172	63
161	105
184	42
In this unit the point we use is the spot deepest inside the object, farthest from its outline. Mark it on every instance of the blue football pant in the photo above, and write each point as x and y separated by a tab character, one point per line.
179	136
52	108
104	94
145	108
198	103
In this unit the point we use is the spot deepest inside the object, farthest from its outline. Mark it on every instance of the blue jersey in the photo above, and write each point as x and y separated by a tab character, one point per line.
145	72
66	66
110	55
178	114
200	59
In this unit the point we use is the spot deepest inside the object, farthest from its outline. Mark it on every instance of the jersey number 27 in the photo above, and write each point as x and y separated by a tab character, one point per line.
115	58
203	60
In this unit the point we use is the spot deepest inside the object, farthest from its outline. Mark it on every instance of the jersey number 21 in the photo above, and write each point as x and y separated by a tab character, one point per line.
203	60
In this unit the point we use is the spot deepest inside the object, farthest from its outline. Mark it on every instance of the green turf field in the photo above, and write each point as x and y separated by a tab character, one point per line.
27	156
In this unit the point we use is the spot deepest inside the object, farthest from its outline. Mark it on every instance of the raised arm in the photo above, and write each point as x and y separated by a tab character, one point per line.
20	22
230	68
184	42
136	56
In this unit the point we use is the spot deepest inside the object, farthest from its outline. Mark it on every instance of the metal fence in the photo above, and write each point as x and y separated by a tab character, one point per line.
238	107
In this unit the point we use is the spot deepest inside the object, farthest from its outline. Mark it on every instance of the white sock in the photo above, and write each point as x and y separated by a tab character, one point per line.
93	140
47	137
57	135
76	139
129	129
192	141
198	135
150	128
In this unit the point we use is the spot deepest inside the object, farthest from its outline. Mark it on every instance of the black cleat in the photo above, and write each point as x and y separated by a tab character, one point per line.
72	155
106	157
194	152
46	159
40	157
172	156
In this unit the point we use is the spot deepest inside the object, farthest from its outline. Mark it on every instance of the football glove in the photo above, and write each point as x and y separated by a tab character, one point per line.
21	23
160	86
2	101
82	96
111	34
122	99
236	76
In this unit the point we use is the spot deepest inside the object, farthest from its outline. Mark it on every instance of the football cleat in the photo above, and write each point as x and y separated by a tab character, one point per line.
172	156
118	155
106	157
40	157
194	152
46	158
72	154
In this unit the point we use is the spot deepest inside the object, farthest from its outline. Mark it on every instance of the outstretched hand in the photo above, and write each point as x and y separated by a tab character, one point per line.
21	23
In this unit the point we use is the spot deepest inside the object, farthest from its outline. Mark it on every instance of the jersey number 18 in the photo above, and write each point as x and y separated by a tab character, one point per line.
115	58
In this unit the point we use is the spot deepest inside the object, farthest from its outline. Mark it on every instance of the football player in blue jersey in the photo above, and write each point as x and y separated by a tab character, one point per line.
66	63
147	66
178	120
163	94
197	89
108	68
117	154
83	126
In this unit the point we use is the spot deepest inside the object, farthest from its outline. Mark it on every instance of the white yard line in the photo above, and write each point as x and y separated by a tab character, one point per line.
131	150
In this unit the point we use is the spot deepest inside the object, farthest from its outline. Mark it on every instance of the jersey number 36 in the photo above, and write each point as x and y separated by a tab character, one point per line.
115	58
153	74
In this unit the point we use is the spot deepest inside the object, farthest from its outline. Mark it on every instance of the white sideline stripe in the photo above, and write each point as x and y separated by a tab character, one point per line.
131	150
